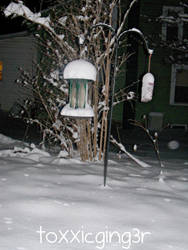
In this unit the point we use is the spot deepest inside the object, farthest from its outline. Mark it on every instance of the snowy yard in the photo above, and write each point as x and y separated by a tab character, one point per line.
49	202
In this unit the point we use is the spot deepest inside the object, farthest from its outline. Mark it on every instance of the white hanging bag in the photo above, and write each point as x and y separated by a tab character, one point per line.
147	87
148	82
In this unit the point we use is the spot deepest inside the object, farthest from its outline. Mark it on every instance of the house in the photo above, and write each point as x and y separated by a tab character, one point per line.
164	22
16	50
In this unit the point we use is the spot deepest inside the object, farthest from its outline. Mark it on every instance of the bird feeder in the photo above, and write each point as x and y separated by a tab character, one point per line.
148	82
147	87
80	74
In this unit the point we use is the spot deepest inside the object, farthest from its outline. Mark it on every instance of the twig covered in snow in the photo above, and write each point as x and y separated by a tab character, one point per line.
153	139
125	17
19	9
136	160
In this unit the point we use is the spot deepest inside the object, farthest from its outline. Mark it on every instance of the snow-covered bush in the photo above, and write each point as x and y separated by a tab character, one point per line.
64	33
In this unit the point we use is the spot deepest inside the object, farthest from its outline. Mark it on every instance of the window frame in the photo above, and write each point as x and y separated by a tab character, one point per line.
166	9
176	67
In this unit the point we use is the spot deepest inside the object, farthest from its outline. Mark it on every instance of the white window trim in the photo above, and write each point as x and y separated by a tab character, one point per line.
176	67
165	24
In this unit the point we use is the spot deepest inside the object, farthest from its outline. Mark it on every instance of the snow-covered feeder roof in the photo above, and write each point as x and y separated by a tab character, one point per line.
78	112
80	69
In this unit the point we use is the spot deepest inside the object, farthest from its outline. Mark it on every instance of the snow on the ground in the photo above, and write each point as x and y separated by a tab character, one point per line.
48	202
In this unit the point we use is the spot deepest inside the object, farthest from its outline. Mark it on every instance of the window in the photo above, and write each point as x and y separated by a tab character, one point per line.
179	85
172	24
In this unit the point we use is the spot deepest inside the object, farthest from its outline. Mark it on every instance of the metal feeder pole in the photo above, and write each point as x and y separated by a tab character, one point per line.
106	156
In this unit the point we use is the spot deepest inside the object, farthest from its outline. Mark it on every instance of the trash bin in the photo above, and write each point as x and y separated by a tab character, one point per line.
155	121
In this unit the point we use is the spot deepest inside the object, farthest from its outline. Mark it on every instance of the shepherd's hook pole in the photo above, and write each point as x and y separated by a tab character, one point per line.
106	156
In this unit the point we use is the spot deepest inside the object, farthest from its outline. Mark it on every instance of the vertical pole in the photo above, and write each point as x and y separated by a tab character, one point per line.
113	82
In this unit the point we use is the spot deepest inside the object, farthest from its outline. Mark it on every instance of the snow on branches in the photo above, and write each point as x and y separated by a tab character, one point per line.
64	34
19	9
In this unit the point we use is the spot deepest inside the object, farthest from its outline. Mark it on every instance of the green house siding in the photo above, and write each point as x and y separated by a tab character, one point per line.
173	114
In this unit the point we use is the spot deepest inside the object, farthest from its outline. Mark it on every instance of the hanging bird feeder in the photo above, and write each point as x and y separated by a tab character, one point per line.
80	74
148	83
147	87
